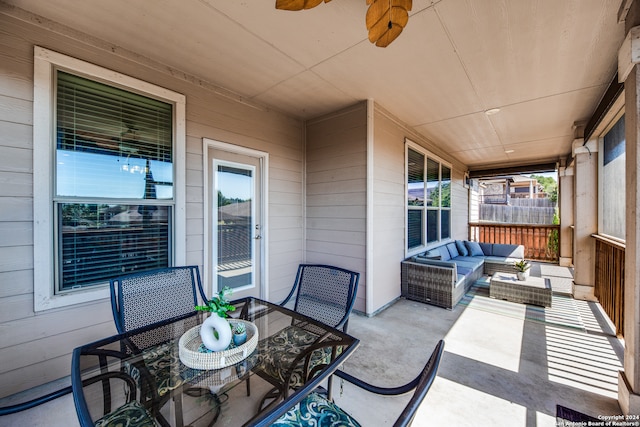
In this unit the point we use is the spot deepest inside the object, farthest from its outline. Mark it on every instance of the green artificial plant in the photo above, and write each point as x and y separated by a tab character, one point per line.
219	304
239	328
522	265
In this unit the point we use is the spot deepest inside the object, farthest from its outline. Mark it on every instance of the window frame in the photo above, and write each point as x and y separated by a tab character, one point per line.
612	118
410	145
46	63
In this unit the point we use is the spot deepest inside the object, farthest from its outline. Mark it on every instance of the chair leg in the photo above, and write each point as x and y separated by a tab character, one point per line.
205	392
329	388
274	394
161	419
177	402
218	409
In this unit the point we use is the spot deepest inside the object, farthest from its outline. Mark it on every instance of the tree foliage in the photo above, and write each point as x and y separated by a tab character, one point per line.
437	200
549	185
224	200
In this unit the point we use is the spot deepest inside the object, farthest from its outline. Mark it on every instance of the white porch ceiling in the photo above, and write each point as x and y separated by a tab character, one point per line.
544	63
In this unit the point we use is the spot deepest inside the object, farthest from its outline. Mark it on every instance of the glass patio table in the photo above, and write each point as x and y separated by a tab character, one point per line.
140	376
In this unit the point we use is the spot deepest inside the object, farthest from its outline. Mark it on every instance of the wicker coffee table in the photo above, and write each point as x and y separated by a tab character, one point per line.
534	290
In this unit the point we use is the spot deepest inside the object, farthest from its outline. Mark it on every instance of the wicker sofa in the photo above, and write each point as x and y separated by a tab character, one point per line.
442	275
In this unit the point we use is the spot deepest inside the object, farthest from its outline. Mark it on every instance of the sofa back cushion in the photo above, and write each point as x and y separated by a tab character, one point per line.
453	250
462	249
487	248
444	253
474	249
508	251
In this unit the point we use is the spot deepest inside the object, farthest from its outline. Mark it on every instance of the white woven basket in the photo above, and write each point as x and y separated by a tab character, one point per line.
190	343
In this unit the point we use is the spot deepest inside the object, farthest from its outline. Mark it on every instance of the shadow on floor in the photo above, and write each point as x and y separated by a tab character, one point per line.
505	364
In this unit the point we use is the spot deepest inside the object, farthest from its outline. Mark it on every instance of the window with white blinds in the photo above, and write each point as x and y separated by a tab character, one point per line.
428	199
114	182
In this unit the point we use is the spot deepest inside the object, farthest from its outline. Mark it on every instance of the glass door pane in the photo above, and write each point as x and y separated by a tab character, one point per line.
235	217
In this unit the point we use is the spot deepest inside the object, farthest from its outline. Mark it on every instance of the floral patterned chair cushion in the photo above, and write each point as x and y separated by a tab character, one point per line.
131	414
277	354
315	410
161	362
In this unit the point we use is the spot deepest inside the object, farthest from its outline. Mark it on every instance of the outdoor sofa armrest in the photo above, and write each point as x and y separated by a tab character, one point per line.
432	282
434	262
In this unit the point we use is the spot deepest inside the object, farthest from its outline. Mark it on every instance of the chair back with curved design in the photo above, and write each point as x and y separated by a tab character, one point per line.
139	300
316	408
325	293
142	299
424	382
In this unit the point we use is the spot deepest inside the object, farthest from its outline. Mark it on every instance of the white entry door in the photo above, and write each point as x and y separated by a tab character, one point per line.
236	244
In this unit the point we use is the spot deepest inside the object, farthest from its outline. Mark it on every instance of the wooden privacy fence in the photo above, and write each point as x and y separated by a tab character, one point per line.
609	280
541	242
519	211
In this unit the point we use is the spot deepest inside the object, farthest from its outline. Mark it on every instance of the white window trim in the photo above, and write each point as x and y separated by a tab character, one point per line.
611	119
45	64
420	149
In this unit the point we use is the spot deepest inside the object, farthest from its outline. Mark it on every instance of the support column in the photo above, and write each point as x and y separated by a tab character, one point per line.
565	206
629	72
586	221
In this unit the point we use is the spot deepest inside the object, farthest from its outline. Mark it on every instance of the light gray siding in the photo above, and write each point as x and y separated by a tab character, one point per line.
36	348
389	210
459	204
336	185
324	197
337	181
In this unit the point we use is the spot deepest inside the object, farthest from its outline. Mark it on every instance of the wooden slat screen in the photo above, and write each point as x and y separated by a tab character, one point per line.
609	280
541	242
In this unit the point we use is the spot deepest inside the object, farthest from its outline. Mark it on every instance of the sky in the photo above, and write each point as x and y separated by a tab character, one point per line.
234	185
83	174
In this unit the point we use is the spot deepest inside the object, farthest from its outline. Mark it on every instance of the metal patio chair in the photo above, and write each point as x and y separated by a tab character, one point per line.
316	407
145	298
142	299
326	294
122	410
138	300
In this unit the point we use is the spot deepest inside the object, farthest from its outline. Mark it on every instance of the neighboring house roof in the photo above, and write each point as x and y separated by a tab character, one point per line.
235	211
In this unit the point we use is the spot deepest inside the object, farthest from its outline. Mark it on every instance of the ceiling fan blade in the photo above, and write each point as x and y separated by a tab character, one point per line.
391	34
385	19
379	17
377	10
298	4
388	26
405	4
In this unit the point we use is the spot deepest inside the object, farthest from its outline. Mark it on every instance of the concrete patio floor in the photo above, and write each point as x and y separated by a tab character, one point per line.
505	364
